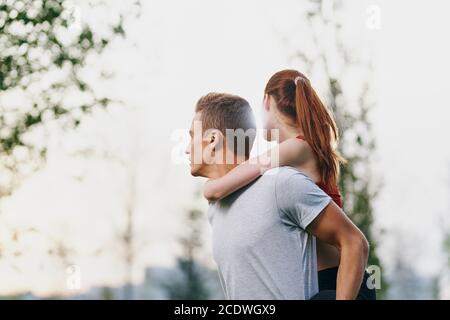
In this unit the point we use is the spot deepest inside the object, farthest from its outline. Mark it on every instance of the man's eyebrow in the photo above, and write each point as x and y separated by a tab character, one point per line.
191	132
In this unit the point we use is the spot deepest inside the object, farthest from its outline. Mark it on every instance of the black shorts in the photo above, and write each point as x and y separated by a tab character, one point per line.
327	286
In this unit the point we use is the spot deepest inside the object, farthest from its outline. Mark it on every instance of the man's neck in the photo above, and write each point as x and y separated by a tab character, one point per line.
216	171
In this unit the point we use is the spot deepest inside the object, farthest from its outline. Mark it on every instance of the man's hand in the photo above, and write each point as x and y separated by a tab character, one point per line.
334	227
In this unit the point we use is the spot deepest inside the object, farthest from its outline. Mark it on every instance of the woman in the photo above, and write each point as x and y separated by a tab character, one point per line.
308	136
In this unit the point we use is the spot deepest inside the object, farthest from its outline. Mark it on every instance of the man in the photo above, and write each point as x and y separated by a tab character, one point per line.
264	234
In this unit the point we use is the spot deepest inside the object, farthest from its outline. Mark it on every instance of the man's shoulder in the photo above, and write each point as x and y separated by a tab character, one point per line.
292	181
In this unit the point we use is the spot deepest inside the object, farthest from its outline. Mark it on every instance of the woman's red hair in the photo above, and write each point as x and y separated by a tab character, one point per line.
296	99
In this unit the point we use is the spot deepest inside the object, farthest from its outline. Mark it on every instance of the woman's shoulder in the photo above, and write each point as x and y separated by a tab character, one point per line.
295	148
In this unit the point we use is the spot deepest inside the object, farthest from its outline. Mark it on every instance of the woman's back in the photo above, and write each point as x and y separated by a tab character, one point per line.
327	255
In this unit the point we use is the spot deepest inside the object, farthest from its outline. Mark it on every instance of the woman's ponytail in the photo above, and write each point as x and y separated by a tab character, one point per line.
292	91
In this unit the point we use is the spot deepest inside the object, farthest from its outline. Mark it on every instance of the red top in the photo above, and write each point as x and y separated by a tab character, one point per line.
331	190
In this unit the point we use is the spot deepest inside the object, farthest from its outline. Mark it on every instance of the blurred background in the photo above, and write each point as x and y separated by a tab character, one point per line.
96	98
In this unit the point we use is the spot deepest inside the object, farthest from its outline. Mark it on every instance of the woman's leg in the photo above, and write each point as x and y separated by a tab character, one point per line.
327	286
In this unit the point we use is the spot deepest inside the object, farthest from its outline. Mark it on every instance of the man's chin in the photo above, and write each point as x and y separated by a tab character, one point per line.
194	173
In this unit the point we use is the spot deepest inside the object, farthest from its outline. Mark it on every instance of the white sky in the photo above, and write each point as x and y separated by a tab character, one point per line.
178	51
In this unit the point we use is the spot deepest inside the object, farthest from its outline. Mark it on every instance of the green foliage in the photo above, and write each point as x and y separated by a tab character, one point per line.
43	52
447	248
191	286
12	297
445	273
107	294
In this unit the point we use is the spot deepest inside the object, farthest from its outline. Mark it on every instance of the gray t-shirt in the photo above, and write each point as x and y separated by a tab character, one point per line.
260	245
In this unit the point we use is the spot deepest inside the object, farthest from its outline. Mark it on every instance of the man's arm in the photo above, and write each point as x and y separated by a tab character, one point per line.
333	226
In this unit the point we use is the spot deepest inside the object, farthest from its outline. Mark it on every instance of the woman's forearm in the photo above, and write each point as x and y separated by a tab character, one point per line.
216	189
291	152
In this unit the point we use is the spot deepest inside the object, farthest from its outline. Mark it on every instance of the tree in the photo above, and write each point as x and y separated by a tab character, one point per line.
192	283
443	279
444	285
126	159
45	49
335	60
43	53
127	236
405	282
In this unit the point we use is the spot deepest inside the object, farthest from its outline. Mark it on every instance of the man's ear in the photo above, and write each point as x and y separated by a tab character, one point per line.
214	139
